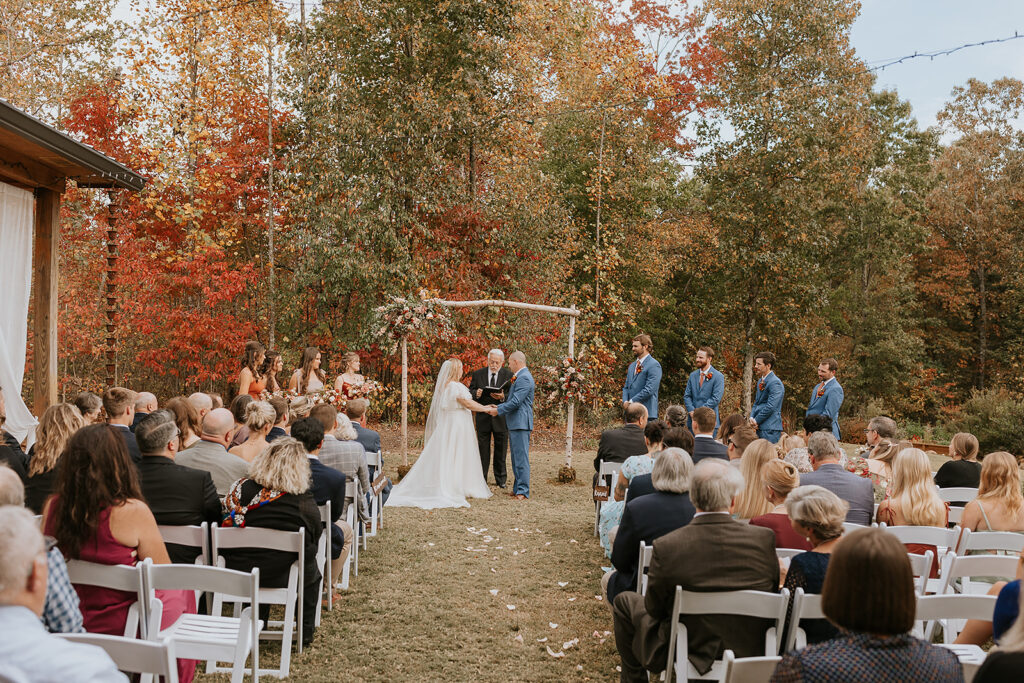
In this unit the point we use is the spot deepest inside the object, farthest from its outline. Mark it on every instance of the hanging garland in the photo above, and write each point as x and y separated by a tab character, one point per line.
403	317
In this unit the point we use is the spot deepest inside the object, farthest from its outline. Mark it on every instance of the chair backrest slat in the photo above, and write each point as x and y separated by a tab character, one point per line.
958	494
132	655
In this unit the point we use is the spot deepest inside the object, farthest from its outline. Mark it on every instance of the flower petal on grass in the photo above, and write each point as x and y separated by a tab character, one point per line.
552	624
494	591
553	653
519	638
599	597
570	643
572	599
563	584
542	640
510	607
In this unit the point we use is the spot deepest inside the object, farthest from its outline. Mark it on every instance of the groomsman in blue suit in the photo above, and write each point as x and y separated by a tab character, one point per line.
827	397
766	414
643	377
705	387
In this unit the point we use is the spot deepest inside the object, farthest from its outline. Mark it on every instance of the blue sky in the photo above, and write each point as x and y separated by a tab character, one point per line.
889	29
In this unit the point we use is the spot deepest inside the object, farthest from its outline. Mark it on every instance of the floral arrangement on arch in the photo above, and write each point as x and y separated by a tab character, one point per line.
403	317
566	381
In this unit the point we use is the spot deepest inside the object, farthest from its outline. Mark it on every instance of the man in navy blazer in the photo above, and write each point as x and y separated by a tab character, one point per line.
827	397
766	413
705	386
517	409
704	444
643	377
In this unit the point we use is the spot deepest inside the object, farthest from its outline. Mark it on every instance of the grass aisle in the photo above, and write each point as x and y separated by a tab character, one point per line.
422	609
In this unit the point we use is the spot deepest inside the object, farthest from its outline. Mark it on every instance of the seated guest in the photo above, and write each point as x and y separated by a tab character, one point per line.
89	405
342	452
704	444
299	408
817	423
177	495
611	510
999	505
60	612
869	596
816	515
187	420
729	425
145	403
675	416
678	437
881	430
752	502
97	514
27	651
119	405
964	468
259	420
57	425
276	495
914	500
711	553
796	454
202	403
9	440
737	443
1006	660
328	485
619	443
217	400
828	473
280	428
238	406
367	438
210	452
650	517
778	478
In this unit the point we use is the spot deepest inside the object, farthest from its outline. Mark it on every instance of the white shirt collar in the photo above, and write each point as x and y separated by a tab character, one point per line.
703	436
642	358
718	512
825	383
770	373
314	457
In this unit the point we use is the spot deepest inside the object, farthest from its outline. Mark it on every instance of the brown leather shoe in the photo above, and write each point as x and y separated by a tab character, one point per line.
521	497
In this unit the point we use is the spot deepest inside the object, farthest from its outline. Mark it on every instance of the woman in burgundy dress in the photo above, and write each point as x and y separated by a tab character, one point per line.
97	514
779	478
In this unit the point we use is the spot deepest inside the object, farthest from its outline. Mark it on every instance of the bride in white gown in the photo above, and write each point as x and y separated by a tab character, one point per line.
448	470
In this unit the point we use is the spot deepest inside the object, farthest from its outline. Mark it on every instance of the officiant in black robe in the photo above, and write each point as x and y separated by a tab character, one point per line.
493	376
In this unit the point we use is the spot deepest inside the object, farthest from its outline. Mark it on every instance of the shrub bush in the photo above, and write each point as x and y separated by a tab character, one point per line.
996	417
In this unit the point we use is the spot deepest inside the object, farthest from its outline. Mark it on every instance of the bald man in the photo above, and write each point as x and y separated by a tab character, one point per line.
210	453
201	402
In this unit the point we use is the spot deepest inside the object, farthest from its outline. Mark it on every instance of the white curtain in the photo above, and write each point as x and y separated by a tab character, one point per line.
17	208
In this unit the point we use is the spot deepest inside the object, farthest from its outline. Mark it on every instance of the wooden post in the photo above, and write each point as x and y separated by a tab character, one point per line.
571	417
44	257
405	403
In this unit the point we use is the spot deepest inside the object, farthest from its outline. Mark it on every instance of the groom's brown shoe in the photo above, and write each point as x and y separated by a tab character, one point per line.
520	497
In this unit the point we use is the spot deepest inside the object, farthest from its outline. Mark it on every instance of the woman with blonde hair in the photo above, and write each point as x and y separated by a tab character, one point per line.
448	470
259	419
999	505
57	425
778	479
751	502
276	495
964	468
914	499
350	380
880	462
309	377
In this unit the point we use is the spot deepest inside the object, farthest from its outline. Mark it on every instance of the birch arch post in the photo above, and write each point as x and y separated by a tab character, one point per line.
570	313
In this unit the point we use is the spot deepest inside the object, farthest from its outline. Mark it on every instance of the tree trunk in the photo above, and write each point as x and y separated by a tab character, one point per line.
472	170
748	359
982	326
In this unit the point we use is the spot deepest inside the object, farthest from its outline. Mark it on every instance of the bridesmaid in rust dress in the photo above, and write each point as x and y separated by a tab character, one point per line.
97	514
250	380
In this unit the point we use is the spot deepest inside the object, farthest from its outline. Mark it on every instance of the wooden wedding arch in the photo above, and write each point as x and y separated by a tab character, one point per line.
571	313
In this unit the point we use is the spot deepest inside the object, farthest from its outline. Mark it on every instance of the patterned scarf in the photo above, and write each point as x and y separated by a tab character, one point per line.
235	515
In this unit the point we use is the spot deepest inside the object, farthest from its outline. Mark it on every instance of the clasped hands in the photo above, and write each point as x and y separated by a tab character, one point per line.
491	410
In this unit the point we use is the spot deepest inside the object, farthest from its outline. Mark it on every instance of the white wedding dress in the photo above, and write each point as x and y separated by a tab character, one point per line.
448	470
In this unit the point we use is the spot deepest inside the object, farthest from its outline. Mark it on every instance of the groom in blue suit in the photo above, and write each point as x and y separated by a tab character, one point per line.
827	397
766	413
517	409
643	377
705	387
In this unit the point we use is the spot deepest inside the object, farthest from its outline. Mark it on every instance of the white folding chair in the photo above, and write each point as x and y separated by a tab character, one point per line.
643	564
952	611
376	460
290	596
740	603
134	656
942	538
748	669
956	514
120	577
191	536
323	560
214	638
352	493
921	567
788	552
850	527
958	494
971	658
805	606
991	542
963	568
607	476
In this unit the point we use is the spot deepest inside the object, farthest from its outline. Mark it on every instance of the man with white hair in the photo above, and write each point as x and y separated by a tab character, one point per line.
712	553
145	403
485	389
27	651
202	403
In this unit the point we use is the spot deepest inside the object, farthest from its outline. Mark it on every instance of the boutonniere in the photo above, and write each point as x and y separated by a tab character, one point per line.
707	375
760	385
513	380
639	367
821	390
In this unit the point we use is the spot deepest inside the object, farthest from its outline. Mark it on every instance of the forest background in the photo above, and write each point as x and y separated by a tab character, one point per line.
721	174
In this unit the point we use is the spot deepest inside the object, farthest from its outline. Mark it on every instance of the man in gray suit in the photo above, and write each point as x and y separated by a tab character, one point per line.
828	473
210	453
712	553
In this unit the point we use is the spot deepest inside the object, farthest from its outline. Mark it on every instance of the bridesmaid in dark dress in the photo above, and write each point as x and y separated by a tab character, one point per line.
817	515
